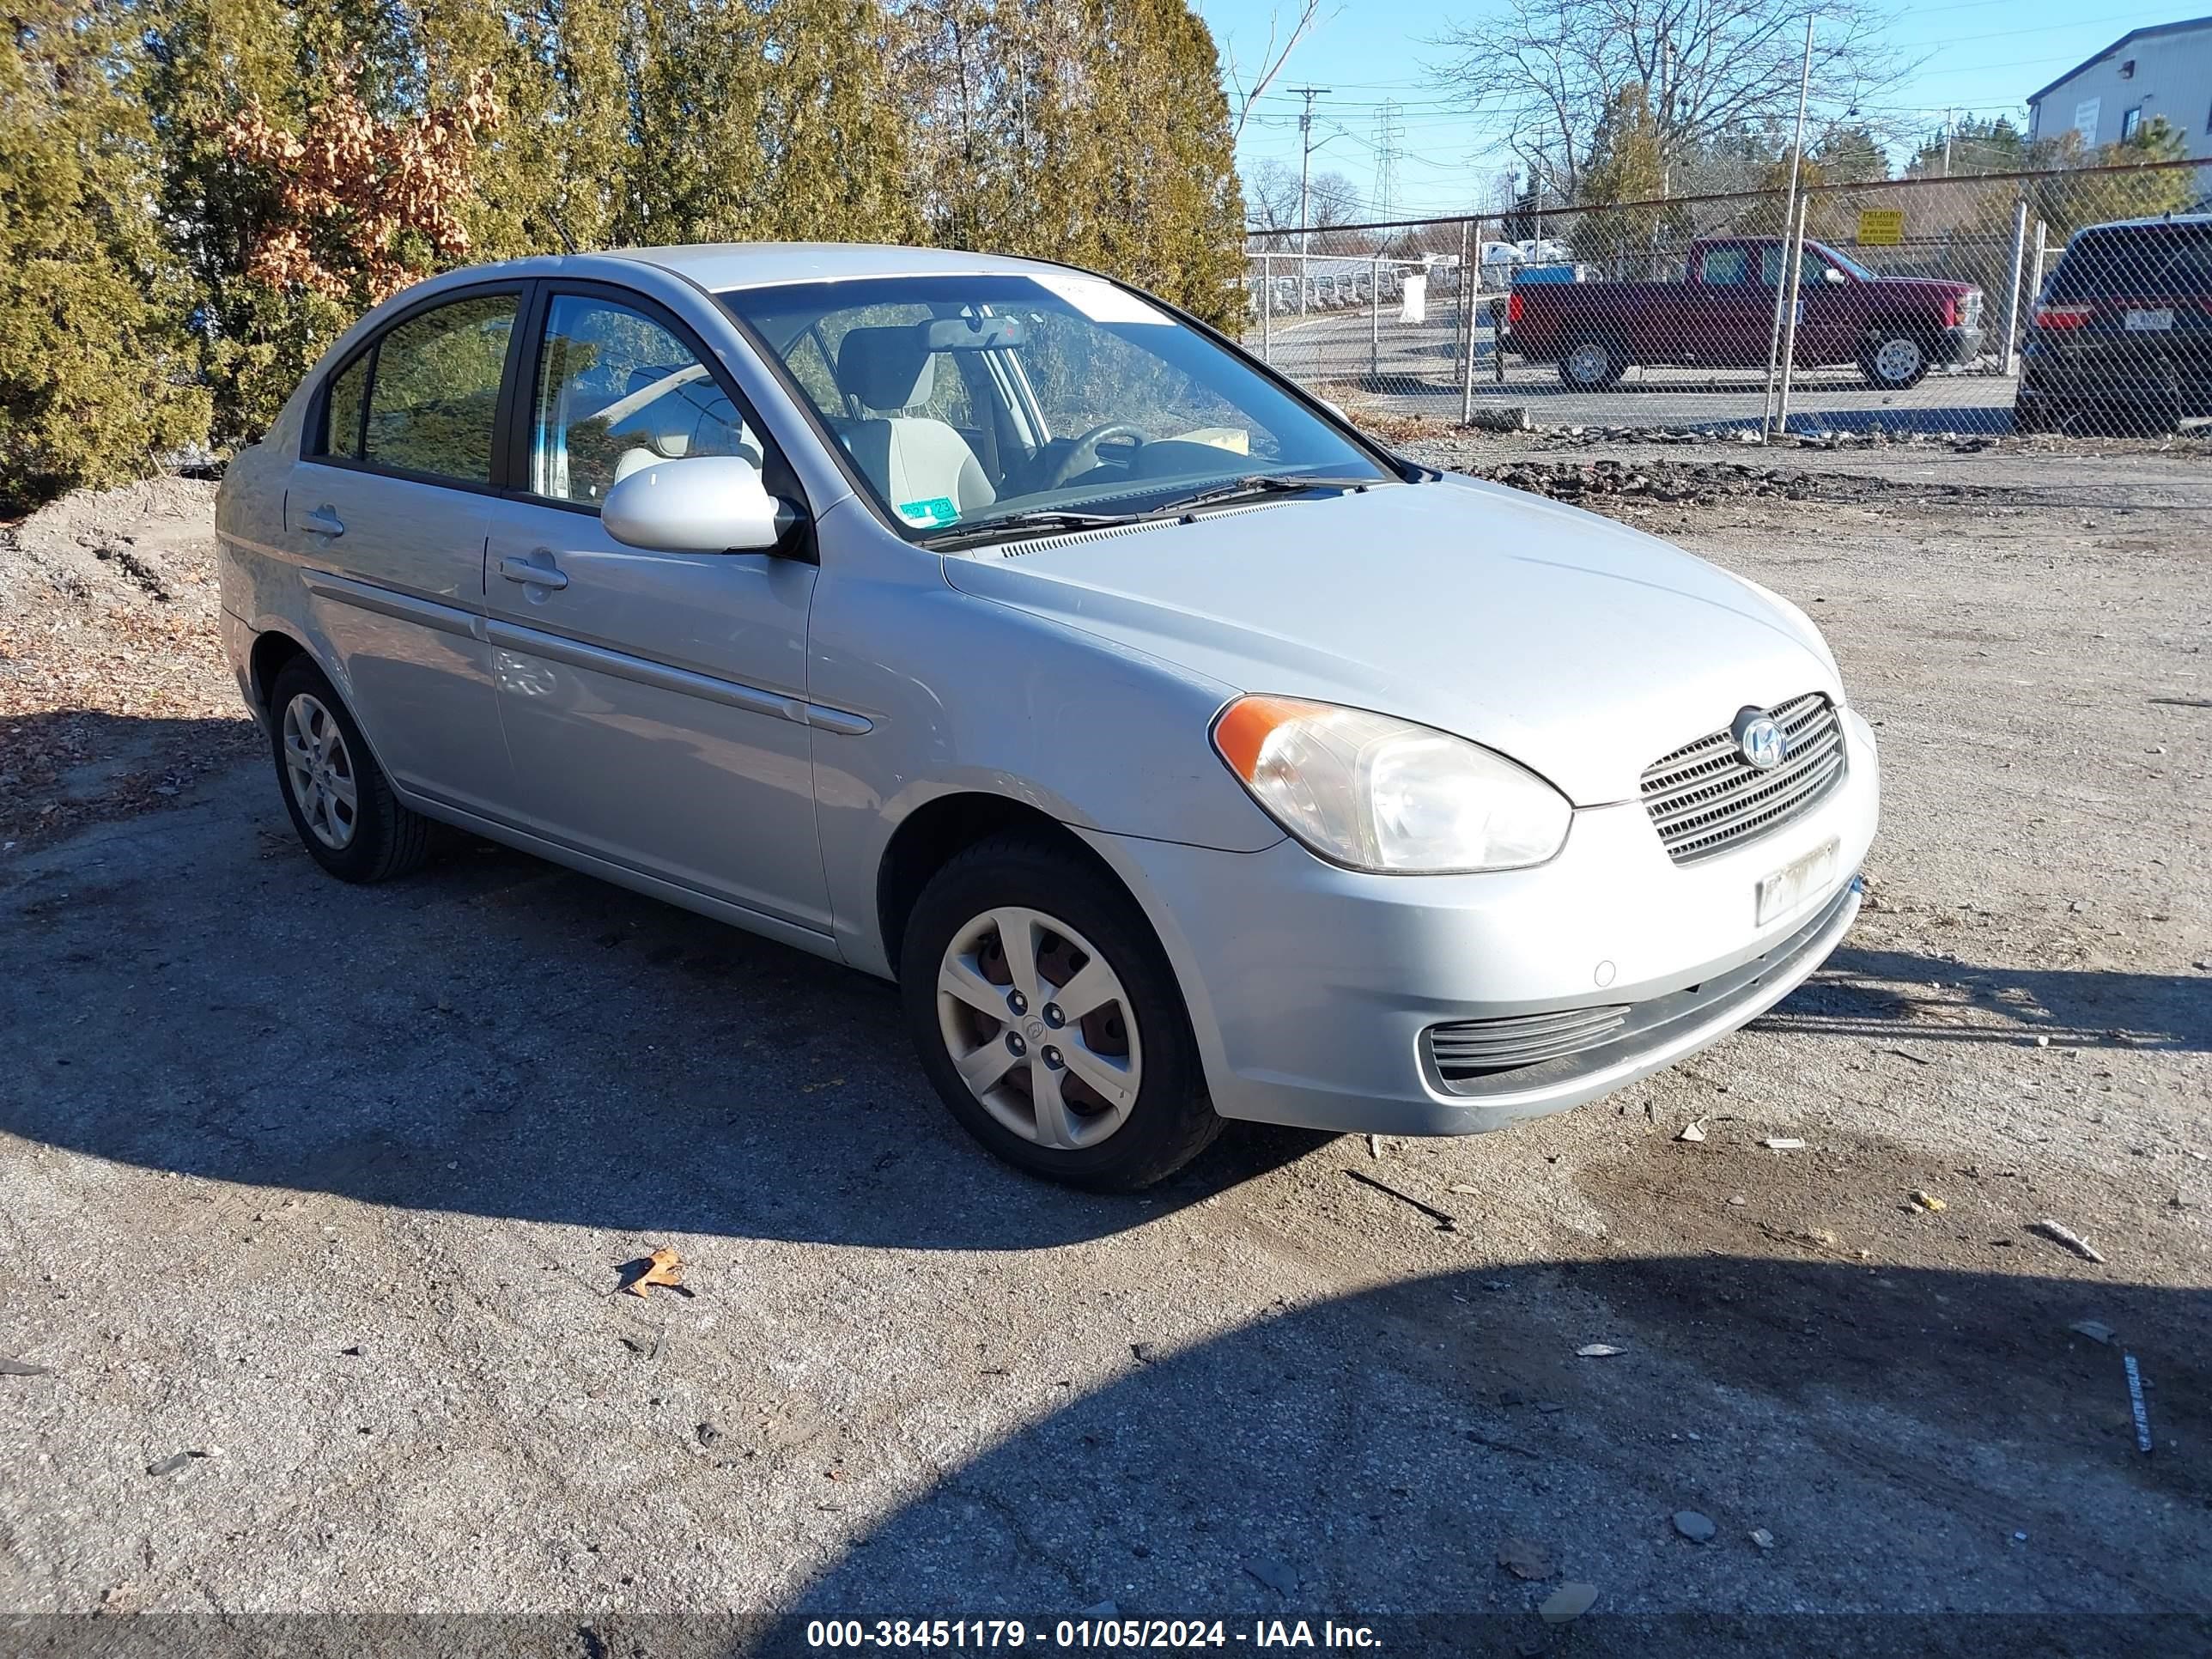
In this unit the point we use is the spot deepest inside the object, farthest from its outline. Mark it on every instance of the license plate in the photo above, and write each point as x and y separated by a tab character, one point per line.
2160	318
1790	888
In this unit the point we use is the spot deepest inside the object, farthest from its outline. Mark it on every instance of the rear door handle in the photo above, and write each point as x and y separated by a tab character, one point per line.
324	521
537	575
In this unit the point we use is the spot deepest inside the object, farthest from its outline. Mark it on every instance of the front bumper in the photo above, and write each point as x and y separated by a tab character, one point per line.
1961	344
1310	987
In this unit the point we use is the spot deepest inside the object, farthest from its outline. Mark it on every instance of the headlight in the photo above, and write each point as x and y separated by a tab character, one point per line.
1379	793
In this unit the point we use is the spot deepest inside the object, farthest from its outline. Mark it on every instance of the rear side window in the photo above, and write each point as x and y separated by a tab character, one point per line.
2141	261
1726	266
434	390
342	410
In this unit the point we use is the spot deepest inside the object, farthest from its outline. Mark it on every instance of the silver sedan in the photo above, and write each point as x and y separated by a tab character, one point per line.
991	627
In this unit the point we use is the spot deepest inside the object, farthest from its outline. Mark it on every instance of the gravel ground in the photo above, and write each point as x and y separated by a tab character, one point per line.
326	1192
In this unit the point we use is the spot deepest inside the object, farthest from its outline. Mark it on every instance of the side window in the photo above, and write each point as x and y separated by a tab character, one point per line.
1809	266
615	392
1726	266
434	389
342	410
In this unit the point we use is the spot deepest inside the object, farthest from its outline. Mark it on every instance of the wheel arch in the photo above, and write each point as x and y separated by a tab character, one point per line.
939	831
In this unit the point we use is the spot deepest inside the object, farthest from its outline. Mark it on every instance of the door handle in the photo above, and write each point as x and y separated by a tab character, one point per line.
324	521
536	575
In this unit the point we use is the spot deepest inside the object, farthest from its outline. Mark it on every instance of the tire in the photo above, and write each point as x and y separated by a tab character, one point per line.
374	837
1894	359
1593	363
1075	918
2035	415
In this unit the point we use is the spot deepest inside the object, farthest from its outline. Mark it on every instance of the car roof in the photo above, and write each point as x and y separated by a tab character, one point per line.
719	266
2174	219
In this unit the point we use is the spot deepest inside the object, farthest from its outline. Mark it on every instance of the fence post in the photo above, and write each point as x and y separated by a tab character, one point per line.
1467	300
1793	249
1497	307
1267	305
1374	318
2011	362
2035	275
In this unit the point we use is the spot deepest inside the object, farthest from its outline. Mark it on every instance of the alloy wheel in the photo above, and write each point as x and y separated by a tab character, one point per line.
1897	359
1039	1027
1588	363
319	767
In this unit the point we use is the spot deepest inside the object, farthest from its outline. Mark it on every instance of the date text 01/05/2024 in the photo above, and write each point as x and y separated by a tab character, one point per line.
1086	1635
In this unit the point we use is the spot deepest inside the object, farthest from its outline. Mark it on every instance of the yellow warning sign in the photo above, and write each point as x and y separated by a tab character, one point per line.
1880	227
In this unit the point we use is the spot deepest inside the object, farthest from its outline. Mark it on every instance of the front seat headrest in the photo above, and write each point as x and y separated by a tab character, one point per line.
886	368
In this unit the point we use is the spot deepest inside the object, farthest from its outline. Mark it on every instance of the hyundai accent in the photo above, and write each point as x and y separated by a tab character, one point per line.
993	627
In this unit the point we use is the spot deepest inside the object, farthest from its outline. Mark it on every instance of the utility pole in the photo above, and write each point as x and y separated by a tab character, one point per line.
1306	148
1949	121
1386	160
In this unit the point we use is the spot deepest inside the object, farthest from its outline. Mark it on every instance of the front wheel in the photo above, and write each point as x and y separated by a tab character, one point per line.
1048	1019
1893	359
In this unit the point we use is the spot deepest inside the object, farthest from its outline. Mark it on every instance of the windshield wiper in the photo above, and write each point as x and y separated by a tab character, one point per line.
1043	520
1258	483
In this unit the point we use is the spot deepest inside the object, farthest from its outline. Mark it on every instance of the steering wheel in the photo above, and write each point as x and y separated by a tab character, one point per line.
1084	454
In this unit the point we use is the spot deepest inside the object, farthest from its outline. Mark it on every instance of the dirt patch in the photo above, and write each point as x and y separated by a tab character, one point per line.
114	693
1707	483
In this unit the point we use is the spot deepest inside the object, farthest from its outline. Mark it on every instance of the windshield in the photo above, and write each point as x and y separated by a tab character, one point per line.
1847	263
967	402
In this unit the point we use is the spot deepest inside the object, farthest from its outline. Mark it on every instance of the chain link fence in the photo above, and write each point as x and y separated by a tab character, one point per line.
2077	302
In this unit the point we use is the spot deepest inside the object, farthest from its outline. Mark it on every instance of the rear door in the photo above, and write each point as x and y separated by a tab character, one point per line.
2147	294
653	704
386	511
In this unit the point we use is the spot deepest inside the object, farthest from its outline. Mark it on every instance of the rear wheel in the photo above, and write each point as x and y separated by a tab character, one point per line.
343	808
1893	359
1048	1017
1593	363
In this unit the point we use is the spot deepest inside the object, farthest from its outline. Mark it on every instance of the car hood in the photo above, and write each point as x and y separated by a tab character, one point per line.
1579	647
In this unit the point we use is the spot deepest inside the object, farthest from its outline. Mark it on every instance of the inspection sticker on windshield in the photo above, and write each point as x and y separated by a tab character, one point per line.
938	510
1102	302
1789	888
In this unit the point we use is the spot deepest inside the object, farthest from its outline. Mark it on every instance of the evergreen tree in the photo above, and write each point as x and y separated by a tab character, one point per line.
95	365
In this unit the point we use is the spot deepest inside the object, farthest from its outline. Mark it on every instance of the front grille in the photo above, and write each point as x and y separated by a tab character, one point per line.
1476	1047
1706	797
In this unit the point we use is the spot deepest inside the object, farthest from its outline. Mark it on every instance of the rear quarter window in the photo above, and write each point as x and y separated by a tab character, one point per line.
342	410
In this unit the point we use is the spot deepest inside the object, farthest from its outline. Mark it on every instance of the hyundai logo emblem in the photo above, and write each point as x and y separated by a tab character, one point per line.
1759	739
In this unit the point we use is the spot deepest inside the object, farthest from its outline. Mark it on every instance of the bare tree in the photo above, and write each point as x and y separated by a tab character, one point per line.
1271	198
1545	71
1269	66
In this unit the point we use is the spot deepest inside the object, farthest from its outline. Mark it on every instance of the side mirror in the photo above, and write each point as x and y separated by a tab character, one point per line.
1830	274
701	504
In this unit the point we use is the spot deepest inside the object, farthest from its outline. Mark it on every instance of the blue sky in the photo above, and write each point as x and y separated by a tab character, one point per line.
1984	57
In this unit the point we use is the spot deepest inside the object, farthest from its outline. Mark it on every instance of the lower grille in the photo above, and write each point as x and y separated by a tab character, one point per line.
1706	797
1476	1047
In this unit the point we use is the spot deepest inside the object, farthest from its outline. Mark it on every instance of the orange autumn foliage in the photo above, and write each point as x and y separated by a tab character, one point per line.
365	206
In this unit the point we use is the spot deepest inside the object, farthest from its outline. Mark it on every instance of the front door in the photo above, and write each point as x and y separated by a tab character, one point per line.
386	511
652	703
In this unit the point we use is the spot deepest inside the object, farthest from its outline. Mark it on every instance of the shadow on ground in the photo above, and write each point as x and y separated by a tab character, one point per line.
1369	1455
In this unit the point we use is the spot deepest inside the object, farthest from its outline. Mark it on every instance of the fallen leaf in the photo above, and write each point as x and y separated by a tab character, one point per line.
1763	1538
1567	1603
2095	1329
1524	1560
1277	1576
1596	1350
1693	1130
1928	1201
1461	1186
663	1267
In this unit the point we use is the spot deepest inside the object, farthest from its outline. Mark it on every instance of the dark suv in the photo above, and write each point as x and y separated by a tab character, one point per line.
2122	336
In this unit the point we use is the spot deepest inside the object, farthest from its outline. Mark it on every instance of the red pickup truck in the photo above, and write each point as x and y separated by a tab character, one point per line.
1894	328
